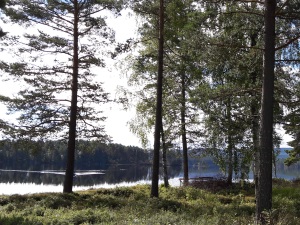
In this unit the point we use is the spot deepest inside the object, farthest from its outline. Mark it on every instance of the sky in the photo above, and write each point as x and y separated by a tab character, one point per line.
116	125
125	27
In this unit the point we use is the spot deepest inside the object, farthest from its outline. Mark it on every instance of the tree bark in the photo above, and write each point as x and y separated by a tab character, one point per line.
255	140
158	114
183	131
264	190
164	157
68	183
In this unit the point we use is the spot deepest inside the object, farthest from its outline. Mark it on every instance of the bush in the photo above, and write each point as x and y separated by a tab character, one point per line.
13	221
56	202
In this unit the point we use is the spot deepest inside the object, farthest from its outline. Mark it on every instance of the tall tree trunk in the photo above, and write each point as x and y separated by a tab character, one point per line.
68	183
255	119
158	114
164	157
230	160
264	190
255	140
183	131
230	143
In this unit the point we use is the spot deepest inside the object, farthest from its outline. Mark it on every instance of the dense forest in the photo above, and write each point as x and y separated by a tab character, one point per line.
217	76
89	155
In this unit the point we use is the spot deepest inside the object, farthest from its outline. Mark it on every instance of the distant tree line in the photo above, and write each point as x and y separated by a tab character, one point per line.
89	154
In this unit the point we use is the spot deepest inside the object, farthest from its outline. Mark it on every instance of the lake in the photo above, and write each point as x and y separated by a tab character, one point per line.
49	180
35	181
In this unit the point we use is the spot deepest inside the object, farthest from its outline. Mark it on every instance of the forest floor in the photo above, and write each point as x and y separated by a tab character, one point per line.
132	205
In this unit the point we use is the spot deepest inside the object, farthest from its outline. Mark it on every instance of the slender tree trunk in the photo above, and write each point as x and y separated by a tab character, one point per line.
264	190
158	119
255	140
183	132
68	183
164	157
236	163
255	120
230	161
230	143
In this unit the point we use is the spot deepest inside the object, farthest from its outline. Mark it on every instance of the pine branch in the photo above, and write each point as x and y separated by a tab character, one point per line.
235	46
243	12
281	7
287	60
288	43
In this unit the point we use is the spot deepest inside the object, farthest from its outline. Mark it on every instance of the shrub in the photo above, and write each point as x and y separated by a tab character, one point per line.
56	202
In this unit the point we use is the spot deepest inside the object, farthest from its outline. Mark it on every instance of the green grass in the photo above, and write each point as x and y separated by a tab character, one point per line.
132	205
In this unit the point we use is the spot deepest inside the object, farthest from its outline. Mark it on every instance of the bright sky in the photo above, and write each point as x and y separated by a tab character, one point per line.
117	118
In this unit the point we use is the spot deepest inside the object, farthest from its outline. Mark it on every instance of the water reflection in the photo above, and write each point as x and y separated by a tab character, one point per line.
112	175
33	181
51	180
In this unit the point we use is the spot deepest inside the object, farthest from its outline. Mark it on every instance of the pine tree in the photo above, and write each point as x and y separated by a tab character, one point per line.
61	96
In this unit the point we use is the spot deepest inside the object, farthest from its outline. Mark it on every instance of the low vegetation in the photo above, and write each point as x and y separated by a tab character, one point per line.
132	205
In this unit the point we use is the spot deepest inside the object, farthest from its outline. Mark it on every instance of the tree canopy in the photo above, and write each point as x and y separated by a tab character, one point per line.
233	75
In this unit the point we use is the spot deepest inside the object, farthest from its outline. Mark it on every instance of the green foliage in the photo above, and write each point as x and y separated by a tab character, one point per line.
230	86
290	55
179	69
57	201
294	154
117	192
13	220
218	47
132	205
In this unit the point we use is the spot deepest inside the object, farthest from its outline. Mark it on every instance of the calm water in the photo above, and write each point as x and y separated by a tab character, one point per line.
34	181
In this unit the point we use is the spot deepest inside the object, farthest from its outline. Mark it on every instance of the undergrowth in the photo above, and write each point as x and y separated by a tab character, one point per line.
132	205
